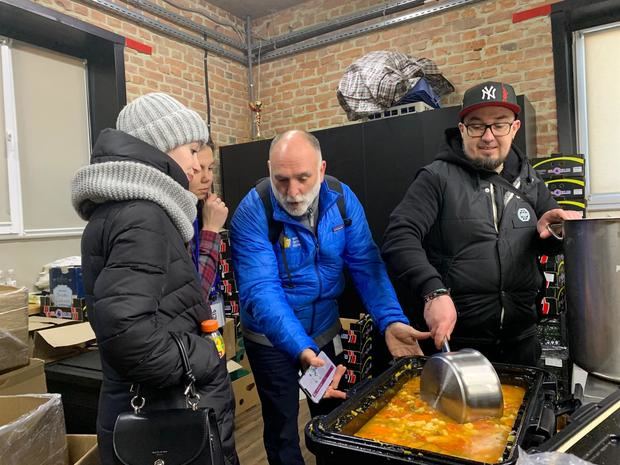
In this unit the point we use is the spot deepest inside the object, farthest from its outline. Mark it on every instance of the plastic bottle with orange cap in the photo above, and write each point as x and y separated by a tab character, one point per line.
210	330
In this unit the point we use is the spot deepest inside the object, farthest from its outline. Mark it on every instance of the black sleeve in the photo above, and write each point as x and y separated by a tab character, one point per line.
409	223
544	200
133	336
544	203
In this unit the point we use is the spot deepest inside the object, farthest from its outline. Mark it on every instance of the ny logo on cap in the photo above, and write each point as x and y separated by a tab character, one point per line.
488	93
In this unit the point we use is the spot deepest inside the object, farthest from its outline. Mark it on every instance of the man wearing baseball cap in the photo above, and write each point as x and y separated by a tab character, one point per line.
463	242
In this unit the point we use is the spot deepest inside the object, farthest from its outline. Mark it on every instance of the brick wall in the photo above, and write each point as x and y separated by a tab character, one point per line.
470	44
178	68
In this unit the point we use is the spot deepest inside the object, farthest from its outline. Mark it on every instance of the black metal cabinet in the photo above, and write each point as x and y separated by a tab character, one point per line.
394	150
78	380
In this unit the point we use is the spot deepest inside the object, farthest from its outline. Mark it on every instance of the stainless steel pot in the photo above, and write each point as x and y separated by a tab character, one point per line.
463	385
592	265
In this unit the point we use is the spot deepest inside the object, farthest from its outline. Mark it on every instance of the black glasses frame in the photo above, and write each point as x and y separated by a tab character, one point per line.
492	127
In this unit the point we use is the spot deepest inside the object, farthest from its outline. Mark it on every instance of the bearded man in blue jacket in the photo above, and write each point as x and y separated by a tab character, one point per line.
288	287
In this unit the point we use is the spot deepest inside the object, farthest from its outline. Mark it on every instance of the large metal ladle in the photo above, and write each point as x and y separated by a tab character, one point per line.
463	385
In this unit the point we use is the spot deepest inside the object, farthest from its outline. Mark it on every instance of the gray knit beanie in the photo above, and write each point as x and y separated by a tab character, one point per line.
161	121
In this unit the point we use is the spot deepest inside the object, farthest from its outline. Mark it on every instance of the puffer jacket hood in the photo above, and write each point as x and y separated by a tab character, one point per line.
124	168
113	145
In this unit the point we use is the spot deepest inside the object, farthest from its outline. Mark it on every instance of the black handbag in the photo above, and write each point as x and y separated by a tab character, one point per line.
182	436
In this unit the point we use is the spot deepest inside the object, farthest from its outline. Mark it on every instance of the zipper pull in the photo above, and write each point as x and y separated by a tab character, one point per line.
310	218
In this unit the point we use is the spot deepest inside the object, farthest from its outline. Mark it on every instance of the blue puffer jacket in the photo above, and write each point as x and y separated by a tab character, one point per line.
292	310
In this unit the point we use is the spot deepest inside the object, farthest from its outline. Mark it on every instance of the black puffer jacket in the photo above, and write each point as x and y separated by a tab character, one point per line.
141	286
456	229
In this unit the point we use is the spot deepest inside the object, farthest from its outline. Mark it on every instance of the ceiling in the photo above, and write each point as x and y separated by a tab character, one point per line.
254	8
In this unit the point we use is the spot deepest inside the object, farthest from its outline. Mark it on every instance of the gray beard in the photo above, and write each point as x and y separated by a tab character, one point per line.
486	163
309	199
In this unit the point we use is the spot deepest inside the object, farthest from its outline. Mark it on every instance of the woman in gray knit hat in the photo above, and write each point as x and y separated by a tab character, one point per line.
140	282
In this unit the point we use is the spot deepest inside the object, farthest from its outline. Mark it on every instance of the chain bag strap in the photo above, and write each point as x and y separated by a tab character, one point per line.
180	436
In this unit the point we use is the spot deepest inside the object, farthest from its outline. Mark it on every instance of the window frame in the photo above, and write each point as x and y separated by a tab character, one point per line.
103	51
15	225
597	201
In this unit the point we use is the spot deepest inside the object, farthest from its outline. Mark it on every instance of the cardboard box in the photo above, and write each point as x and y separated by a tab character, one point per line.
559	165
566	188
26	380
554	264
37	323
13	327
77	310
229	288
243	385
574	205
246	395
231	307
226	271
551	307
32	430
355	333
83	449
241	357
65	285
353	377
355	359
230	339
34	309
224	244
61	341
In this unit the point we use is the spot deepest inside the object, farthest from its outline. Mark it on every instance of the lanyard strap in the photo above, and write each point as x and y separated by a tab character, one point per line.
196	248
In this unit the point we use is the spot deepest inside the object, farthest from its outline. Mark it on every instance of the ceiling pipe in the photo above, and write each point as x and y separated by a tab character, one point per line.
184	22
333	25
166	30
433	8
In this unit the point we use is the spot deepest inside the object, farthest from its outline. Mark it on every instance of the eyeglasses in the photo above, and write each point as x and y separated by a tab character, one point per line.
497	129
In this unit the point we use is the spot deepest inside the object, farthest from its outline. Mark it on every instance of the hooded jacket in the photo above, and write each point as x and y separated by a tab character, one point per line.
459	229
288	290
141	285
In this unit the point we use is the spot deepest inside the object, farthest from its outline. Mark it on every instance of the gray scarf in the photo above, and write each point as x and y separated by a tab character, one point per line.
126	180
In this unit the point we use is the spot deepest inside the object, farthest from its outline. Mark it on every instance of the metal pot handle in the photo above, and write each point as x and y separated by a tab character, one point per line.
559	226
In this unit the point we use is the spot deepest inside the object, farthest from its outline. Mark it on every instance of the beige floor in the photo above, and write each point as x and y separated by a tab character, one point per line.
249	436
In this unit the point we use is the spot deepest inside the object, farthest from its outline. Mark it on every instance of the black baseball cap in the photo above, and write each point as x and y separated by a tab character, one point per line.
489	94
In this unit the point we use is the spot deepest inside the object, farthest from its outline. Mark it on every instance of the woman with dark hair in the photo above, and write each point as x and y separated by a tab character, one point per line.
212	214
140	283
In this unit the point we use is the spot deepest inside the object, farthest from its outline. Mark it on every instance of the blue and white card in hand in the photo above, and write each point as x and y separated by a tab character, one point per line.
316	380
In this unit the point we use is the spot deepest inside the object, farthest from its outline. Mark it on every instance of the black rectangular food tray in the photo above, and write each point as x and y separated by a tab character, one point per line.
331	437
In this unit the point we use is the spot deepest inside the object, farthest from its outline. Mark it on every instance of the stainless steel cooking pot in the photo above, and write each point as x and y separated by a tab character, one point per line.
592	265
463	385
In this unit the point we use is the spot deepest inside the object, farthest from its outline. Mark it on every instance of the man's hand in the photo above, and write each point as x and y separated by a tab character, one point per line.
309	358
332	391
557	215
402	340
440	316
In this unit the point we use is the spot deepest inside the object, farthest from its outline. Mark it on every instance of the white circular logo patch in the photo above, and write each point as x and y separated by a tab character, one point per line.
523	214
